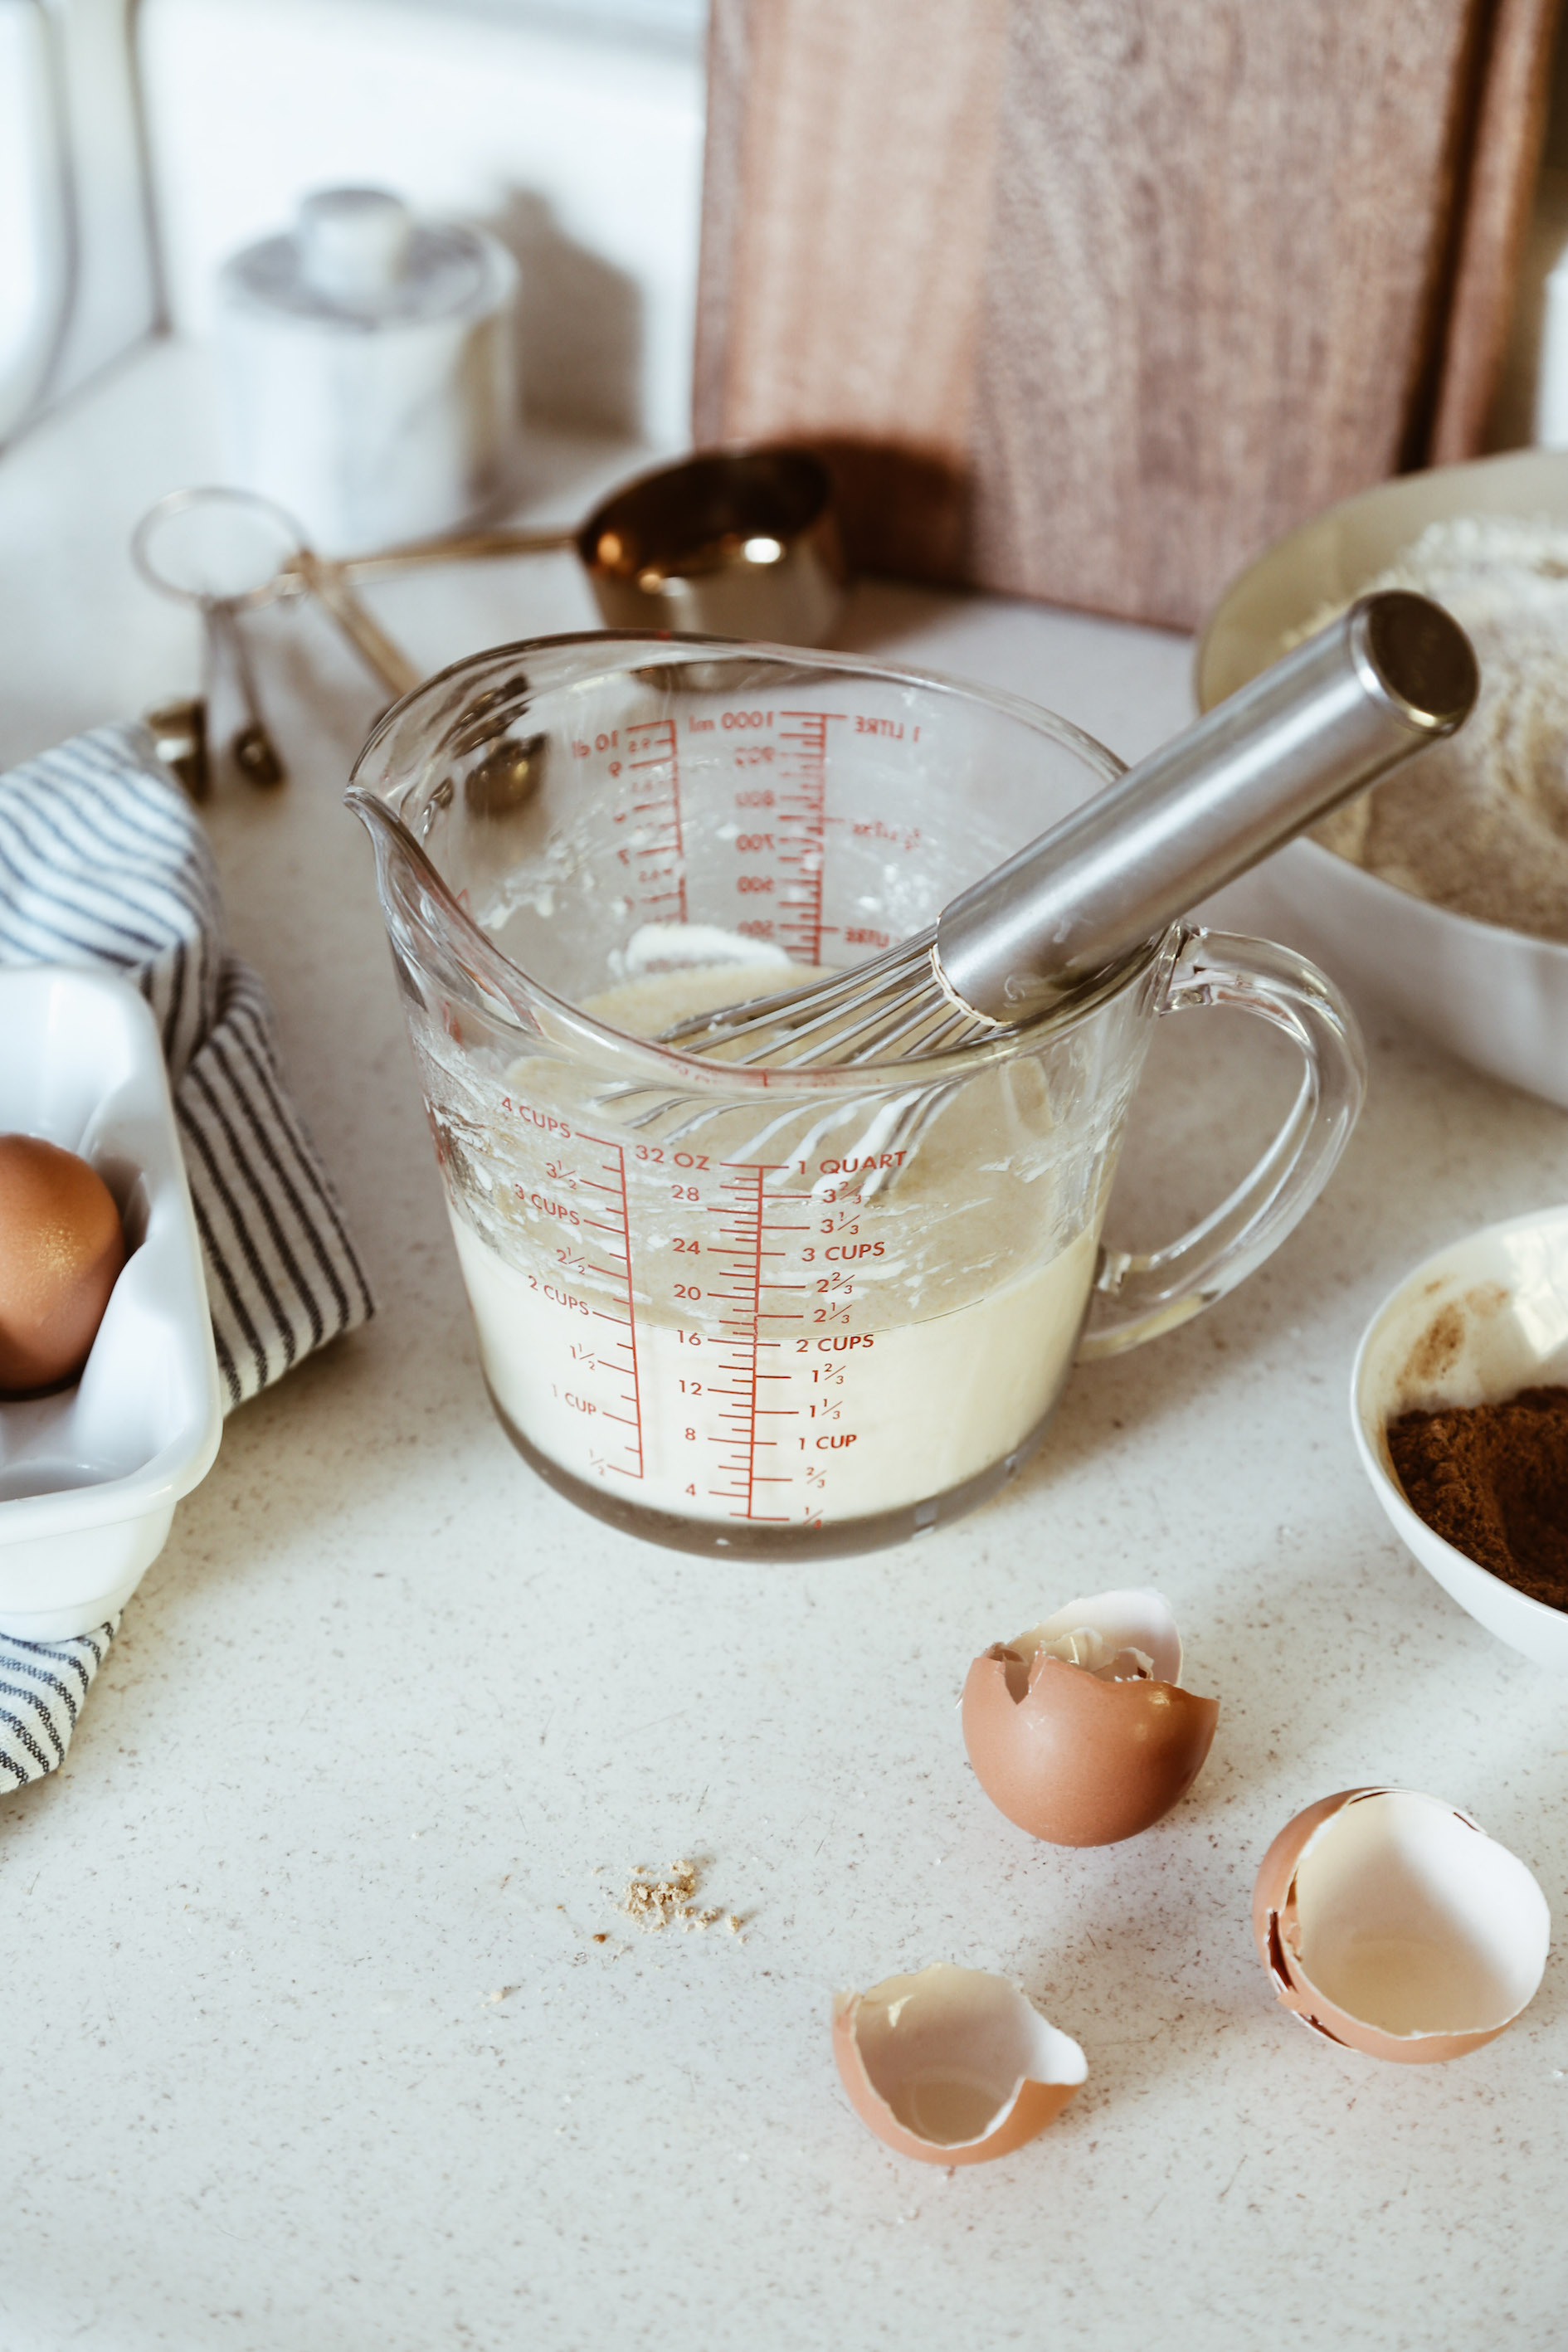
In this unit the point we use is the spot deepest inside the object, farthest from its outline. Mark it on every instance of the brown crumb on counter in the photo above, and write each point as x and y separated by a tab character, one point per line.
654	1903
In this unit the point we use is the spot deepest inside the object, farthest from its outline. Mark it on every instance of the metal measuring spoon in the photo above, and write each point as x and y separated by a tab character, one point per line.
218	553
179	732
730	542
254	752
228	551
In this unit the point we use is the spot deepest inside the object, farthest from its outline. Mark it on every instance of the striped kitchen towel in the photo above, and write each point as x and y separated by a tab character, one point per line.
43	1687
103	861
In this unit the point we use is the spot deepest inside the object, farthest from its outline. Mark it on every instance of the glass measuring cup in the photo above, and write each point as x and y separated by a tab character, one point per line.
765	1310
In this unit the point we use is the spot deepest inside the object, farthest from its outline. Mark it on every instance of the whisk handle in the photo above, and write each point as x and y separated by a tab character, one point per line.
1390	676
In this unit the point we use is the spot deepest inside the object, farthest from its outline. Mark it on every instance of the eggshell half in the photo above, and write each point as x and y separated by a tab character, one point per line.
952	2065
1389	1921
1077	1760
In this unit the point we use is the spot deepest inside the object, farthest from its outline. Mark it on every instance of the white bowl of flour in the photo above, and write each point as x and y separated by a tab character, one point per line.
1442	894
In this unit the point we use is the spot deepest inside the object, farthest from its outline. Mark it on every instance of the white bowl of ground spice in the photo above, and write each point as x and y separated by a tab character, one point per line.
1460	1406
1443	893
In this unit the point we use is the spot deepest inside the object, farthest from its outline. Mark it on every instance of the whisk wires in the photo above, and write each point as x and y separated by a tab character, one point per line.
894	1006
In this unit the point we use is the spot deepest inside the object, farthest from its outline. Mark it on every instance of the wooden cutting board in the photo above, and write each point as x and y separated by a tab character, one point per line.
1089	302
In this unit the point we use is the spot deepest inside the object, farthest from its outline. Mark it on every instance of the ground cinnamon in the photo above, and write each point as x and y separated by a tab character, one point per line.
1492	1480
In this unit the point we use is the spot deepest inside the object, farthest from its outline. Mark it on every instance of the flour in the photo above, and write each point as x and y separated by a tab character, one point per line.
720	1329
1480	824
658	947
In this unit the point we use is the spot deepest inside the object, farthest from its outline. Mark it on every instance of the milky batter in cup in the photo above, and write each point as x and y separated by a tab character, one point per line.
725	1328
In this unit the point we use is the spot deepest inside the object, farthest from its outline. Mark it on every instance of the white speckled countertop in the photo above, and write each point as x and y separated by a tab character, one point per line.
388	1724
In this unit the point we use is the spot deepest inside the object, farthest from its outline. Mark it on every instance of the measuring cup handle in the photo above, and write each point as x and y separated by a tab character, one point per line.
460	547
1137	1297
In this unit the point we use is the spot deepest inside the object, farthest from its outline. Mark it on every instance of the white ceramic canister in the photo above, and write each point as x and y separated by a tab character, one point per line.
366	371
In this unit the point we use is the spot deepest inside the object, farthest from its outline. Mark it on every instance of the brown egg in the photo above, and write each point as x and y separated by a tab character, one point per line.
61	1250
1079	1731
952	2065
1391	1922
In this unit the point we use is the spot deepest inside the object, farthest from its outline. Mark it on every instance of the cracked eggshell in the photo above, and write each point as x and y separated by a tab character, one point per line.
1072	1757
952	2065
1389	1921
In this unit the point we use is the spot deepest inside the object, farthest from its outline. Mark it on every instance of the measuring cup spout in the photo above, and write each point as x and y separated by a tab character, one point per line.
444	962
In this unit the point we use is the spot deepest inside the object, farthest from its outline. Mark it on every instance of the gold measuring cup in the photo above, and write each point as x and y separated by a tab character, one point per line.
729	542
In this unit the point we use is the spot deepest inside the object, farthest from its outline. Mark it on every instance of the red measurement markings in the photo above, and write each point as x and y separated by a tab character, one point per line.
654	765
802	829
745	1255
609	1255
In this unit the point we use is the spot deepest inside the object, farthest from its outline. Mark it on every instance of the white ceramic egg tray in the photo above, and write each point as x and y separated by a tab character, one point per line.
90	1475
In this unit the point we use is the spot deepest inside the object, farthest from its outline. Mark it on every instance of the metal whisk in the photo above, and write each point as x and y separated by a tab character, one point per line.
1389	677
